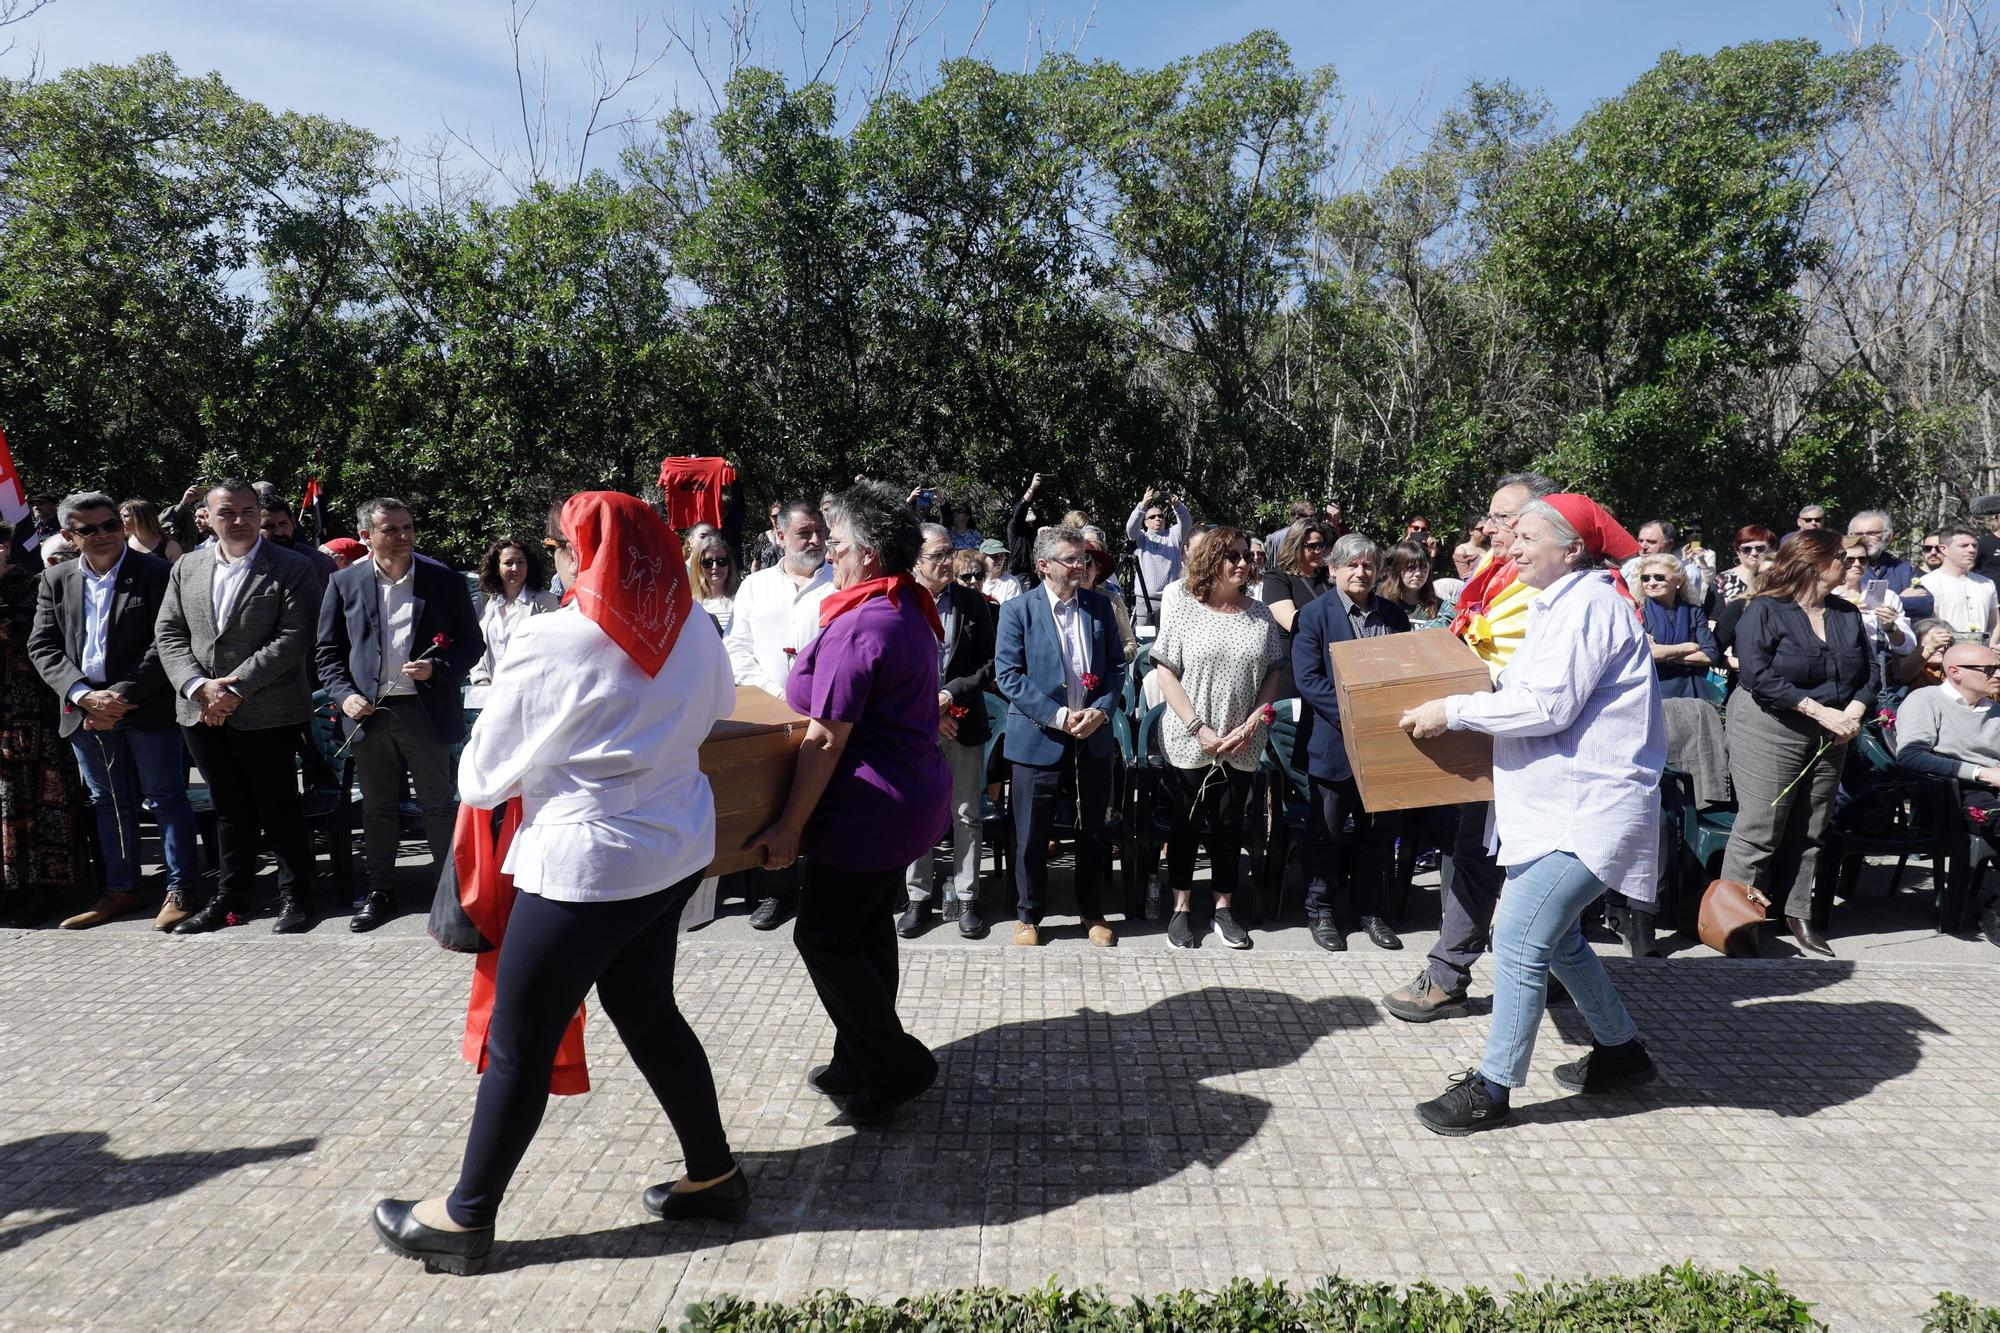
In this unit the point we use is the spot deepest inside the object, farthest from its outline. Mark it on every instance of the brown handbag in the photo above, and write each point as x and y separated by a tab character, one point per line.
1730	913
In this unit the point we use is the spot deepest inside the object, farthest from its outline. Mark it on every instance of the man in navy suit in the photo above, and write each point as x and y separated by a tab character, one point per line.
397	633
1061	668
1349	609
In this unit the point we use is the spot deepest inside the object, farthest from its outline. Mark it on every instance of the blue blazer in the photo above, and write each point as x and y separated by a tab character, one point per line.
1028	671
1320	749
350	640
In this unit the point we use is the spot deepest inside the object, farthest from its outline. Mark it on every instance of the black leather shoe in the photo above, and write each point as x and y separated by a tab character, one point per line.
727	1201
1327	935
292	918
771	913
1379	933
1807	938
911	923
375	910
833	1081
877	1108
212	917
460	1252
971	925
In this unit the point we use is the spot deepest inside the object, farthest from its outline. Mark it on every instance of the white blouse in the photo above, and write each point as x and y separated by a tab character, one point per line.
605	759
498	621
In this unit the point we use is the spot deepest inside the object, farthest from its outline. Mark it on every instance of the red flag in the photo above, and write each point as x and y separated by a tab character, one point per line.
13	499
313	504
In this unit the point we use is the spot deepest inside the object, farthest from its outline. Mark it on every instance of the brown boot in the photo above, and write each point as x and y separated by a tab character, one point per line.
1100	932
107	908
173	911
1424	1001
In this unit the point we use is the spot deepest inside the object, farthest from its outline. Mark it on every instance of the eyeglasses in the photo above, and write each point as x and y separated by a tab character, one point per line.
969	576
1502	519
1754	548
1237	557
715	562
1418	527
1069	561
554	544
1933	546
1656	578
1313	546
1854	560
107	527
1983	668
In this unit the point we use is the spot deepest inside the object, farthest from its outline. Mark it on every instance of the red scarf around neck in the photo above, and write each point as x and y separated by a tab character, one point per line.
891	586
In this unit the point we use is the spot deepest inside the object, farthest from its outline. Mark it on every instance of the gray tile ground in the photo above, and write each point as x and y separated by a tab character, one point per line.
192	1131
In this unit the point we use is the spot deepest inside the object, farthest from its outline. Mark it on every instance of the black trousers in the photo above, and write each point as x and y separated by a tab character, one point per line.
1471	891
1334	862
1208	806
1036	791
253	782
847	937
552	954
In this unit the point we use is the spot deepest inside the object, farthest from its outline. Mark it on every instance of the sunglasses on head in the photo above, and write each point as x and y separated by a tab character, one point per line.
107	527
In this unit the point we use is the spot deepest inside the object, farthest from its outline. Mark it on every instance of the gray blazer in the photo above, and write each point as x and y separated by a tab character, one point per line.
267	643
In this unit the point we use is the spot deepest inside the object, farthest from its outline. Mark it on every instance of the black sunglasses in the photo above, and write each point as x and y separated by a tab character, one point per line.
1933	546
968	577
715	562
107	527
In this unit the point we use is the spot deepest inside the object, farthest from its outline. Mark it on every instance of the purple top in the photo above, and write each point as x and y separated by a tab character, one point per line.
876	667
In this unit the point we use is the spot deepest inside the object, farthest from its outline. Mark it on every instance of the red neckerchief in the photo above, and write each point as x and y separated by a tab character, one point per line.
1480	590
488	898
890	586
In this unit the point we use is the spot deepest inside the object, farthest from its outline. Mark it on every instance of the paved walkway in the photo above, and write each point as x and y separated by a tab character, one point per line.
192	1132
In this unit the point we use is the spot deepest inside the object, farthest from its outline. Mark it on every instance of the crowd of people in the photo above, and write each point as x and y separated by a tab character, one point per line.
144	642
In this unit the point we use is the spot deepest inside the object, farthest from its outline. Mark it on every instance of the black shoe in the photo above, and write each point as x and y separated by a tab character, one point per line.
1465	1107
460	1252
292	918
212	917
970	925
1608	1068
771	913
1638	933
1379	934
1326	934
875	1109
1806	937
375	910
911	923
1225	925
1989	924
726	1201
833	1081
1180	933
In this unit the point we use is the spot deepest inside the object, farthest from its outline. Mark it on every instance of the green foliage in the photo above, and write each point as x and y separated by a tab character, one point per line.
1675	1298
1957	1314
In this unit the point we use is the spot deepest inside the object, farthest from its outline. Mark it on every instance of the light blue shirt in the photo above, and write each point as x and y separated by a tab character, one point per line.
1578	738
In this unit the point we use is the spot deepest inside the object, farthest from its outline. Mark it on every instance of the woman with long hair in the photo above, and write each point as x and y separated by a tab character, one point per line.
712	573
1807	681
1406	581
594	727
143	532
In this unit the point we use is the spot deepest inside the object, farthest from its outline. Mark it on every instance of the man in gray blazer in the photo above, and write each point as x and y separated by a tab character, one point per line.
236	638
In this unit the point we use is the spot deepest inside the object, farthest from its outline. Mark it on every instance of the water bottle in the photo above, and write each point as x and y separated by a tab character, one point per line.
1155	899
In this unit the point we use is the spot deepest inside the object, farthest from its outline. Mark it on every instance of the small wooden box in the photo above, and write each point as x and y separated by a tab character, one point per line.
1380	679
749	757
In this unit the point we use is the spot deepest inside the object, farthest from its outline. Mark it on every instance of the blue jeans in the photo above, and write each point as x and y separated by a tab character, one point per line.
1535	932
119	768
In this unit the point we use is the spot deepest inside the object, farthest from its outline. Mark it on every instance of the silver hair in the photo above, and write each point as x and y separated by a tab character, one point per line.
878	518
1048	539
1888	524
70	504
930	530
371	509
1346	550
1537	485
1552	516
1092	533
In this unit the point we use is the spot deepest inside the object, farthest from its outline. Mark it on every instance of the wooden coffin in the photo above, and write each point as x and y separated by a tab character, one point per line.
1377	681
749	757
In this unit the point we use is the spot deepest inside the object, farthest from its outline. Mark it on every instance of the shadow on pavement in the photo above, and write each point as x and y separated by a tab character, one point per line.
1026	1118
73	1175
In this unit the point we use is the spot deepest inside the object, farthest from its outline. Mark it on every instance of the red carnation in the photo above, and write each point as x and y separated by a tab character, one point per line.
791	652
1886	716
231	919
1269	713
959	711
1091	680
441	641
1976	814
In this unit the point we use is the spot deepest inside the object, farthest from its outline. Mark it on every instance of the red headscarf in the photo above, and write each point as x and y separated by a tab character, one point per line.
629	576
1602	534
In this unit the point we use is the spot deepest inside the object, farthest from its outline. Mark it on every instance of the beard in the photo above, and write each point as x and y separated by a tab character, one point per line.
804	562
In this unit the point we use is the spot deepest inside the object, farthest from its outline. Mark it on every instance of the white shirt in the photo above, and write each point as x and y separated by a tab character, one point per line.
498	620
1878	638
1003	589
399	615
605	759
97	590
227	581
1076	650
1578	737
771	616
1966	602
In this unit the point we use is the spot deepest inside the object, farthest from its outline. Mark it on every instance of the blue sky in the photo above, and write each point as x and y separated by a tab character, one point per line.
404	67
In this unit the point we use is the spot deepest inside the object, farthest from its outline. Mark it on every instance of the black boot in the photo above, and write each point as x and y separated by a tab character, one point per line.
1638	932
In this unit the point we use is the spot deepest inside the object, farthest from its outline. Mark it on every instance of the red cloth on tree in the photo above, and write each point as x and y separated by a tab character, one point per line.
487	895
892	586
629	575
693	490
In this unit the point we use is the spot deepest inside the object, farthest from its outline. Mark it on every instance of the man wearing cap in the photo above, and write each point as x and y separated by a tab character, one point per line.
1953	731
1000	585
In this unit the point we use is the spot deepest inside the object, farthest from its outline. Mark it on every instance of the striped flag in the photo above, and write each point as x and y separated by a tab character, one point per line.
13	499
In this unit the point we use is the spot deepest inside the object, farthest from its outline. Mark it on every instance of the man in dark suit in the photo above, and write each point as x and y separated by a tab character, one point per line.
235	636
93	643
397	633
965	670
282	527
1061	668
1349	609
